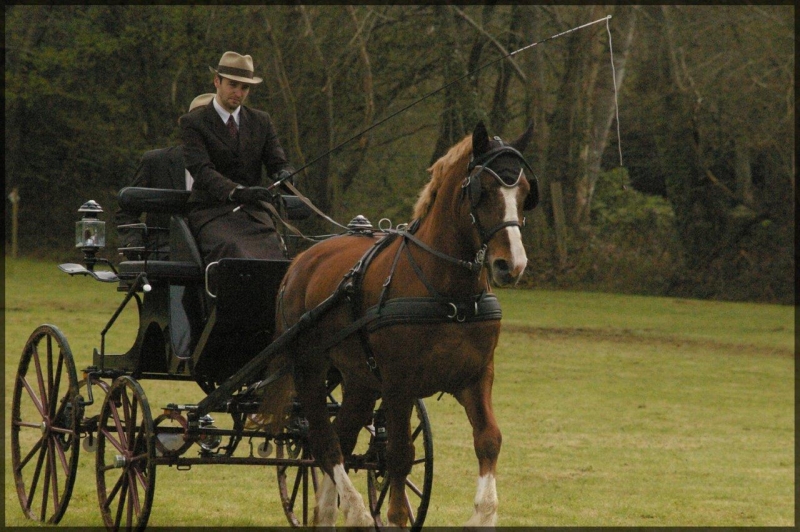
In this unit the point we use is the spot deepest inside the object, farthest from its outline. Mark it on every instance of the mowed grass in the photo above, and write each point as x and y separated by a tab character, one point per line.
615	411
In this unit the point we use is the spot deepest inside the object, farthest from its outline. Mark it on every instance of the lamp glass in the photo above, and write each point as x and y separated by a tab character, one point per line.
90	232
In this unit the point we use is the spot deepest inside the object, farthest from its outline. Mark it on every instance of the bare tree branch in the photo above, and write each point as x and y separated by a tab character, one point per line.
494	41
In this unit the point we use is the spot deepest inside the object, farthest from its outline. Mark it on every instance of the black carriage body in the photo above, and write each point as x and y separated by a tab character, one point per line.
196	322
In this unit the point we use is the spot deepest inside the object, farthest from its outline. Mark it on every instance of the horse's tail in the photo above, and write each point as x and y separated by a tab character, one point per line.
277	395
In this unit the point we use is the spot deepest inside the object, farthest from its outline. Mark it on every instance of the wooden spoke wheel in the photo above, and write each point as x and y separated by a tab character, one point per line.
126	451
45	439
297	484
419	480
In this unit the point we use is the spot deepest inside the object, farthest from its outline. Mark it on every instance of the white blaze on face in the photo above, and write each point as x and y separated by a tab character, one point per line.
518	257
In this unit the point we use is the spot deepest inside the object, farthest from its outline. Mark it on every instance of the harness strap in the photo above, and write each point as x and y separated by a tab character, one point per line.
413	310
355	297
421	276
487	235
474	267
388	280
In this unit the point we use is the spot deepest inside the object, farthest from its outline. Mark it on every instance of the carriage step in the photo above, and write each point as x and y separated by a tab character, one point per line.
79	269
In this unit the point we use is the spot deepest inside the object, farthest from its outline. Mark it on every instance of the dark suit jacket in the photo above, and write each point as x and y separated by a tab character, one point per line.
162	168
219	163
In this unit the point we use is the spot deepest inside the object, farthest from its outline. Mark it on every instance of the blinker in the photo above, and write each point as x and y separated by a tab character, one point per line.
472	184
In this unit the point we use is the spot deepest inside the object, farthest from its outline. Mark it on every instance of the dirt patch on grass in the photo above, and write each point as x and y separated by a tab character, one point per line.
629	336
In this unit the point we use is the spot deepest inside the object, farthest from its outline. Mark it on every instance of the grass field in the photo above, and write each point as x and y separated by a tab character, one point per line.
615	411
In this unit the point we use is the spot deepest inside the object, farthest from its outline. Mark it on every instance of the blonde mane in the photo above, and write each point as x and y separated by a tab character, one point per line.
455	160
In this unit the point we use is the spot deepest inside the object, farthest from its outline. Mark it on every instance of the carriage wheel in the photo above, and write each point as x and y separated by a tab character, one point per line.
297	485
45	425
419	481
126	470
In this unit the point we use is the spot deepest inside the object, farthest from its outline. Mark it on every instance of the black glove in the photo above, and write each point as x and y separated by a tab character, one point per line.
283	175
251	195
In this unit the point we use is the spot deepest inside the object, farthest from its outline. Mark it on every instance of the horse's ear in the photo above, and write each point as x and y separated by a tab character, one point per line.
522	142
480	140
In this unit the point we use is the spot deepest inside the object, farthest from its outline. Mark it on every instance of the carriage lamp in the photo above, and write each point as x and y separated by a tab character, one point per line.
90	232
208	442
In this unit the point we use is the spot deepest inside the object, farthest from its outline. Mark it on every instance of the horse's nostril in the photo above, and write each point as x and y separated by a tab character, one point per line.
501	265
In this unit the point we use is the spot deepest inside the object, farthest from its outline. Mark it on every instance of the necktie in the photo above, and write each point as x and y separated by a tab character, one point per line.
233	130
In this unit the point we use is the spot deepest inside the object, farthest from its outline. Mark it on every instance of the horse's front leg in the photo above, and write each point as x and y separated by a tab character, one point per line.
477	401
399	457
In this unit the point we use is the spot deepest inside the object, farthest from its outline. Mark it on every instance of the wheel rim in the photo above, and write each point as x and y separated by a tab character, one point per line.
418	482
45	441
125	466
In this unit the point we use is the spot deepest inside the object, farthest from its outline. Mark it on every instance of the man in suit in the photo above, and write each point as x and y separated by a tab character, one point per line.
161	168
225	145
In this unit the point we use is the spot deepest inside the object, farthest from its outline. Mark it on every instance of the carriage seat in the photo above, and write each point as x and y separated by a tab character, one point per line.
185	264
160	200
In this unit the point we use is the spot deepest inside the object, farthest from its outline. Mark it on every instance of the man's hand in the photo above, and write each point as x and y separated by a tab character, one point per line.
251	195
283	176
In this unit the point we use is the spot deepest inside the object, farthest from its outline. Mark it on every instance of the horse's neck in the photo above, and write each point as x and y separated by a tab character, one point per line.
452	235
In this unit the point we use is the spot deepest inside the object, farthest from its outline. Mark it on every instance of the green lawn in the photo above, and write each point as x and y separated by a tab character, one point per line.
615	411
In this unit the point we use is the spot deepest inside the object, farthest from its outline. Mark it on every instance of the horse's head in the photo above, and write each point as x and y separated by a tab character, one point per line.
500	185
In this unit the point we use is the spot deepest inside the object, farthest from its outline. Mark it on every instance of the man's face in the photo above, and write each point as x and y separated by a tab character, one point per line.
230	94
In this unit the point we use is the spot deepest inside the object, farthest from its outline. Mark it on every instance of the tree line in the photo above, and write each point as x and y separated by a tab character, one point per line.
669	171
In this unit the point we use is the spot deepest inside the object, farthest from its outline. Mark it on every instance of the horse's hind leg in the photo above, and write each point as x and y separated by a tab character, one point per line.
327	453
358	404
477	401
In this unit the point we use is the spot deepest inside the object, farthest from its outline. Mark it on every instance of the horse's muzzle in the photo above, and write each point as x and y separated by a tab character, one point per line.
503	273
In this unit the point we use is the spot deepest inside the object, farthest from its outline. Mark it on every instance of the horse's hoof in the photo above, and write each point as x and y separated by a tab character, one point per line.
361	520
480	521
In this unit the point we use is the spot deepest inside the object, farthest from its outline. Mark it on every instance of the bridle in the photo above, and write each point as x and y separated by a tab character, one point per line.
471	189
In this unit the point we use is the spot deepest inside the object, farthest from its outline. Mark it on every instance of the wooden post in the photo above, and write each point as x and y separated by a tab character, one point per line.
14	198
560	222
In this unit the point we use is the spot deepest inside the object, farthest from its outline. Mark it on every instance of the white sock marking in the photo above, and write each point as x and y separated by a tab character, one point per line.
326	511
485	502
351	501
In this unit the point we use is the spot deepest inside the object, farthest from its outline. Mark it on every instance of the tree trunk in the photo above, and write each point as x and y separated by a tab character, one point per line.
568	134
461	110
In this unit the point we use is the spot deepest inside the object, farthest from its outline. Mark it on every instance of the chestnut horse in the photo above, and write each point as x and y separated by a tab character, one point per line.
467	230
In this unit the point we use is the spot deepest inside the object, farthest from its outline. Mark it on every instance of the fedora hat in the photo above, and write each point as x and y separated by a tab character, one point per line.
236	67
203	99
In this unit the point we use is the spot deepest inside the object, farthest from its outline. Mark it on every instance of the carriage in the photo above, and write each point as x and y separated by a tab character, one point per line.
215	324
187	332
